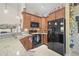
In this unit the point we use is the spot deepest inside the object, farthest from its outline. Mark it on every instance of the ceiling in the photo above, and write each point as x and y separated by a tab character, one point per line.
40	9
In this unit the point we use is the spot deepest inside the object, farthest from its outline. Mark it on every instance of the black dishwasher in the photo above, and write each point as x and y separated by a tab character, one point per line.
36	40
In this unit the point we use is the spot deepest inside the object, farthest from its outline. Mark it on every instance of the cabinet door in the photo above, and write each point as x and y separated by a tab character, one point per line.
34	18
42	39
44	24
51	16
45	39
26	43
29	42
38	20
60	13
26	20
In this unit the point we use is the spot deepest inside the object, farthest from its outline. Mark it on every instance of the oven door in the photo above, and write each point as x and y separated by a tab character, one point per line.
36	40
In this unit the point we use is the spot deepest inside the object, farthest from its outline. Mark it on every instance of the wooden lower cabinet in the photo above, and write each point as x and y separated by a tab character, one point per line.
44	39
26	43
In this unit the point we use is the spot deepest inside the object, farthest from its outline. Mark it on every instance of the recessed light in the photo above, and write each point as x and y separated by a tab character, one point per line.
5	11
42	6
17	53
17	17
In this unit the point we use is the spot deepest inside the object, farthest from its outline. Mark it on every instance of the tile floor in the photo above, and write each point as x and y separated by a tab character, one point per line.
13	47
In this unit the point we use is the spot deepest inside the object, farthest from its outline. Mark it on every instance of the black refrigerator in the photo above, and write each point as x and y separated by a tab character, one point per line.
56	36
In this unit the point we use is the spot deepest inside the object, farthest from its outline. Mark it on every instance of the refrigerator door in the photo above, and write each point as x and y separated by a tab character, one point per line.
56	37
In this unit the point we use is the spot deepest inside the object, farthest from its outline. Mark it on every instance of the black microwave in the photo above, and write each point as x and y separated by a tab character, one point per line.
34	24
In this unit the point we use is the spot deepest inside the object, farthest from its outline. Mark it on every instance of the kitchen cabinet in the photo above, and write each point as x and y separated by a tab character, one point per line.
36	19
44	25
60	13
44	39
26	20
51	16
30	42
26	43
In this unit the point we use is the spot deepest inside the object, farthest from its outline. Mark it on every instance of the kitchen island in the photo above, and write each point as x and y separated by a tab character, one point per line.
12	46
33	40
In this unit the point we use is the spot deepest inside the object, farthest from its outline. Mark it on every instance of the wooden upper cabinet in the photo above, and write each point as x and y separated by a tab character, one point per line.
60	13
44	24
51	17
40	21
26	20
35	18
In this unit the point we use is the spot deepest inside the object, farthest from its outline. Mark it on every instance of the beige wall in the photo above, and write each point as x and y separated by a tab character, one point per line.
75	29
67	29
9	18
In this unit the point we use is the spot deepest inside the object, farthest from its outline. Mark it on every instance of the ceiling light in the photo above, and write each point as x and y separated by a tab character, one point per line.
5	9
17	14
17	53
42	6
17	17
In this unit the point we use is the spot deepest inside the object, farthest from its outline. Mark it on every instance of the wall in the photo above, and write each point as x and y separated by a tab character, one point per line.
67	17
9	18
74	28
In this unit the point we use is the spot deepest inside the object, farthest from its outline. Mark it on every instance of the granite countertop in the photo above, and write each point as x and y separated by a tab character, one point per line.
20	36
43	33
11	47
23	35
39	33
